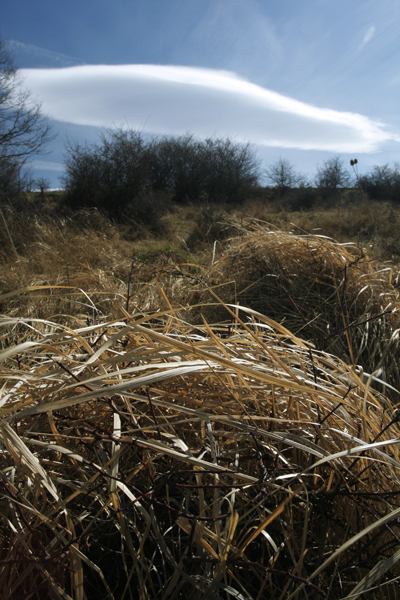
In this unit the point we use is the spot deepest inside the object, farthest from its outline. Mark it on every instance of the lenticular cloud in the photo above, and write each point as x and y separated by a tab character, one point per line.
175	100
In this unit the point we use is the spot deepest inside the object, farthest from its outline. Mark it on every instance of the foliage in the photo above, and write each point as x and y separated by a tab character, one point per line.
303	197
382	183
108	175
331	176
230	171
144	214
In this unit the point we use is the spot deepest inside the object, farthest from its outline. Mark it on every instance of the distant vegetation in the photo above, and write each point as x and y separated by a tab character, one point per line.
125	175
128	176
131	178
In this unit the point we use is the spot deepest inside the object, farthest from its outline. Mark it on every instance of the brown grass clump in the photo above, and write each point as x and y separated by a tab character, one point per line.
211	224
83	251
327	293
149	458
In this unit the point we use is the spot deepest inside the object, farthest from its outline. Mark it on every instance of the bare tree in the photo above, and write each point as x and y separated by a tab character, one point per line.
24	130
332	175
283	176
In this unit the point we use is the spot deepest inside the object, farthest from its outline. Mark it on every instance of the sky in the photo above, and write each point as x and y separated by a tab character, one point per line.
302	80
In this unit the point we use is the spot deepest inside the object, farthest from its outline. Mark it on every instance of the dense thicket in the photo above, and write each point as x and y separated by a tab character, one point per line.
123	169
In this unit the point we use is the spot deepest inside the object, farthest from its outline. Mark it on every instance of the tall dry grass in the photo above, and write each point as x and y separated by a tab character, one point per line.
328	293
182	431
150	457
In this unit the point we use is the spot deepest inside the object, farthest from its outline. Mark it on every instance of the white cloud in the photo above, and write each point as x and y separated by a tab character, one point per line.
171	99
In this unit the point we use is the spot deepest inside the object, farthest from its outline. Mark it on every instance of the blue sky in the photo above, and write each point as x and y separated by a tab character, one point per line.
304	80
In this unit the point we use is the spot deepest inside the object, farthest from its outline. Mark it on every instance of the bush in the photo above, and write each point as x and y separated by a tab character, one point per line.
302	198
107	175
383	183
177	167
230	170
111	174
283	176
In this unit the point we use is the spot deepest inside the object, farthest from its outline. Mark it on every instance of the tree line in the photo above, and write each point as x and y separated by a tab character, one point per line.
381	183
123	173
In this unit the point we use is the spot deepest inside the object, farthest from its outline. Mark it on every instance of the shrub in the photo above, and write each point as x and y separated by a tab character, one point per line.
109	175
230	170
302	198
383	183
283	176
177	167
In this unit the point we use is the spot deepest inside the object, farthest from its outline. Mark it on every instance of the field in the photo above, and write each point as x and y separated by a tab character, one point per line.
208	410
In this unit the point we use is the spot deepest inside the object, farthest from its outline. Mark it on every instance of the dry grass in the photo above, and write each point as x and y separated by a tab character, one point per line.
151	457
329	294
146	453
352	218
82	251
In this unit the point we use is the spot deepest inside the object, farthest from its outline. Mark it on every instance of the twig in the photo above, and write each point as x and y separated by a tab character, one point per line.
128	293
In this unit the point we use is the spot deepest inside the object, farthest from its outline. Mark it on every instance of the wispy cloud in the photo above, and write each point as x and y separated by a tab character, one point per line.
369	34
27	56
173	99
